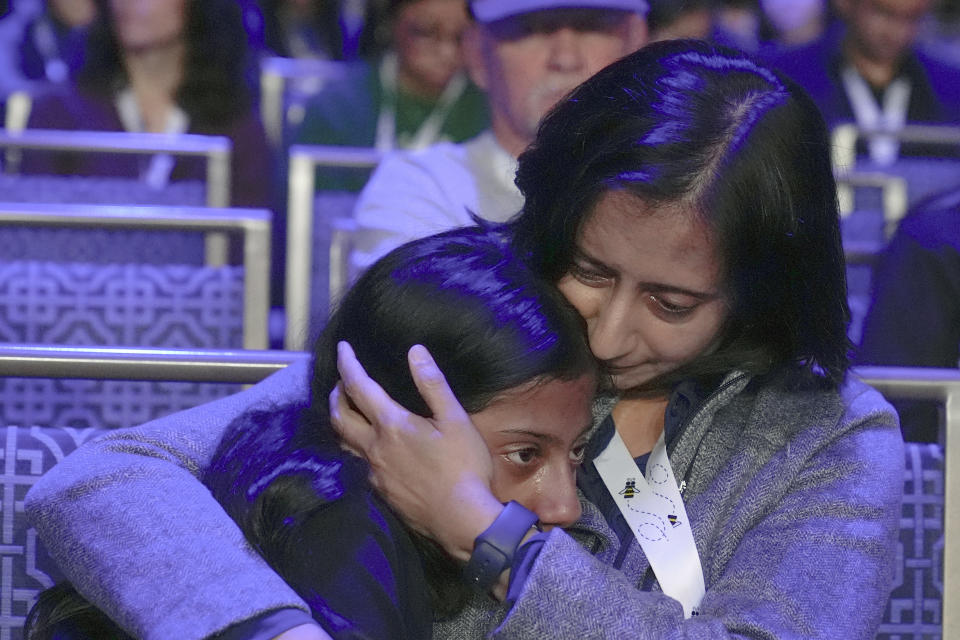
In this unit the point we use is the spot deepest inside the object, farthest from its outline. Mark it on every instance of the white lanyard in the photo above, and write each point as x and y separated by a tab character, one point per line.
653	507
896	99
157	174
429	131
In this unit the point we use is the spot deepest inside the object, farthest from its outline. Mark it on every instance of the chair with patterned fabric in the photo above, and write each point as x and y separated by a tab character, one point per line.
178	246
286	85
914	609
28	450
928	551
97	303
215	151
933	167
871	206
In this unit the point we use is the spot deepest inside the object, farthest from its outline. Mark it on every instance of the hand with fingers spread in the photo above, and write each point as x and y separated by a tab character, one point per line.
435	471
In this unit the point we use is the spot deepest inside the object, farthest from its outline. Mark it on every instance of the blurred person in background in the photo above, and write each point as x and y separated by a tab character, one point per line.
914	316
737	24
415	95
525	56
791	23
749	26
941	36
51	49
162	66
868	70
669	19
326	29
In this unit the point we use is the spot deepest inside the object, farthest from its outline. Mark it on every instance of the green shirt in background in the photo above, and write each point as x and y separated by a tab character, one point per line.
347	110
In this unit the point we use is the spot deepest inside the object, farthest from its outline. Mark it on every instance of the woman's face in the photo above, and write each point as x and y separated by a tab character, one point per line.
648	284
427	36
147	24
536	435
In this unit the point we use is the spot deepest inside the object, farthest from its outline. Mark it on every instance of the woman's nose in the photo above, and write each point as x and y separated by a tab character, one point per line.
612	330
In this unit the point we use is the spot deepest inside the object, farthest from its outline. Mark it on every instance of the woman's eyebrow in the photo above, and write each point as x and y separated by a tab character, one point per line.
596	263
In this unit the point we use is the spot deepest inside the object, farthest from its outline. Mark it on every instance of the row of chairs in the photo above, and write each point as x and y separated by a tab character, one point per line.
874	199
928	554
110	261
324	221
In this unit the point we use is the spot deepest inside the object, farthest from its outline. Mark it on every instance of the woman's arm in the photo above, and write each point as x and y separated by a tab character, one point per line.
813	561
132	527
307	508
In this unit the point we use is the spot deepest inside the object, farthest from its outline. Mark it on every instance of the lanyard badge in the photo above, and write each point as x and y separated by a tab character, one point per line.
654	509
888	117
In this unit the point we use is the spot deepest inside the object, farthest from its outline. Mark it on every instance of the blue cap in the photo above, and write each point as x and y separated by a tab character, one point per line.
492	10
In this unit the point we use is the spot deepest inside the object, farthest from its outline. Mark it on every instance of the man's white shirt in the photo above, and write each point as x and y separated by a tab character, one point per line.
413	194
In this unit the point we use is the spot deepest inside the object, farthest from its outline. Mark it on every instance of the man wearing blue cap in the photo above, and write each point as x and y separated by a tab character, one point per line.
526	55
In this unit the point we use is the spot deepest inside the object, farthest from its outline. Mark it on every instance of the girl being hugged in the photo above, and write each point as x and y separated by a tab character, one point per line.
518	362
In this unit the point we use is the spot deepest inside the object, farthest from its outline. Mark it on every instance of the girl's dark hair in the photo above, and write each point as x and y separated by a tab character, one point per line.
215	88
491	324
738	145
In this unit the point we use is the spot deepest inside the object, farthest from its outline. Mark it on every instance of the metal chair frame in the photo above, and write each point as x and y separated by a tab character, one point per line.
276	73
894	202
942	385
254	224
304	160
843	139
216	149
111	363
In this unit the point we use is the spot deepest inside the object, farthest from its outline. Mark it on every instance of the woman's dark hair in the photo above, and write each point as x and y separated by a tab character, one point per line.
215	87
491	324
739	146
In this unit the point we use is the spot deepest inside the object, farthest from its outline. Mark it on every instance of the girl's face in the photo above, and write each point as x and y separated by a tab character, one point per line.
648	284
536	434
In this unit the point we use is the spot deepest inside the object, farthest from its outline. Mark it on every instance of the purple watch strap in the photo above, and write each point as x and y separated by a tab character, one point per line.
494	548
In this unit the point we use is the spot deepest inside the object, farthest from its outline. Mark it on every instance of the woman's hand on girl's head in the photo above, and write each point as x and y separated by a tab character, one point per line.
436	471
